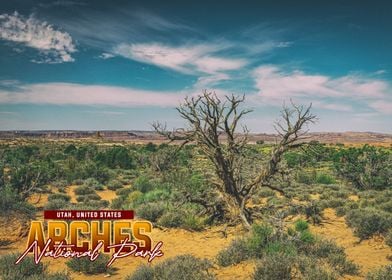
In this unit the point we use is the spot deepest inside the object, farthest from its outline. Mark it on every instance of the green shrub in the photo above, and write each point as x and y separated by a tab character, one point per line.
313	212
93	183
306	237
59	184
193	222
11	201
57	276
382	273
266	193
281	247
56	204
306	177
324	248
261	236
340	211
83	190
156	195
275	266
311	270
343	266
59	196
388	238
114	185
123	191
25	269
118	203
301	225
386	206
325	179
367	222
135	197
96	204
172	219
142	272
177	268
143	184
86	266
150	211
366	167
235	253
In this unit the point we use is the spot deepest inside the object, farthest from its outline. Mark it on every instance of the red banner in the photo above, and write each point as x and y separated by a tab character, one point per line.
88	214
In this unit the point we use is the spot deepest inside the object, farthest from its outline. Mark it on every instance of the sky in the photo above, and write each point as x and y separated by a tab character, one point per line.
121	65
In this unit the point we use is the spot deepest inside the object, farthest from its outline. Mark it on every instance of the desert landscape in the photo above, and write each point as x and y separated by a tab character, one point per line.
147	175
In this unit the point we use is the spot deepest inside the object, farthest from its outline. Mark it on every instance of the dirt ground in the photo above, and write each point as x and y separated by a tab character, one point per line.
368	254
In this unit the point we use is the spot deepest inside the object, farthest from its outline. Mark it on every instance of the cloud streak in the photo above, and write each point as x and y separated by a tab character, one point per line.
54	45
275	85
88	95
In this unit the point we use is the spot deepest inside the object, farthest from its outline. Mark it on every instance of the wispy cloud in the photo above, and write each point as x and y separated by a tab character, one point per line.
201	60
88	95
275	85
382	106
106	55
54	45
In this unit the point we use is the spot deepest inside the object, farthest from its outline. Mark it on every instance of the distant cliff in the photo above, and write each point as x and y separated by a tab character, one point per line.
146	136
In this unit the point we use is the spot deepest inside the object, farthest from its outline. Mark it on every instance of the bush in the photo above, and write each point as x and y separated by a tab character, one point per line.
142	272
123	191
178	268
135	197
25	269
156	195
57	276
83	190
325	179
275	266
143	184
88	197
235	253
172	219
388	238
281	247
60	184
11	201
86	266
367	167
383	273
261	236
56	204
343	266
59	196
150	211
96	204
310	270
367	222
93	183
118	203
325	248
306	237
193	222
306	177
114	185
301	225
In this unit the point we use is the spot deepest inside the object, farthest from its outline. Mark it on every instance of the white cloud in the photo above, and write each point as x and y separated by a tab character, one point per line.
382	106
200	60
88	95
55	46
106	55
275	85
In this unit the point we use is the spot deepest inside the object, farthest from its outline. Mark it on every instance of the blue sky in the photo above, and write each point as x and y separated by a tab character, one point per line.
95	65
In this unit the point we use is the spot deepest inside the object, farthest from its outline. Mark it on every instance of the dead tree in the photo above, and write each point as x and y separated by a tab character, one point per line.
213	126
